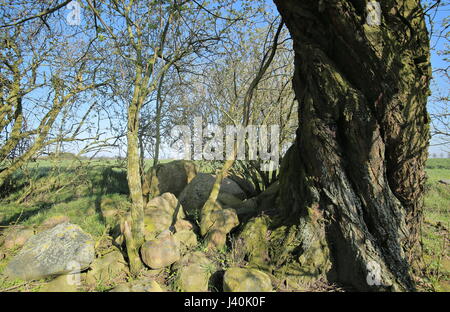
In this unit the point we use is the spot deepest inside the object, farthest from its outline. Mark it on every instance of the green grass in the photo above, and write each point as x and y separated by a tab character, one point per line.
56	190
435	231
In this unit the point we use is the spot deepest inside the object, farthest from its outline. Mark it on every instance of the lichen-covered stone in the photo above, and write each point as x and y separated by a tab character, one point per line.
245	185
194	272
60	250
196	193
255	240
175	175
106	268
63	283
160	213
216	224
161	252
246	280
187	240
183	225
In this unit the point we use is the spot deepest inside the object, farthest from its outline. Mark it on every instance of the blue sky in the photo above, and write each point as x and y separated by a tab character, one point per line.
439	84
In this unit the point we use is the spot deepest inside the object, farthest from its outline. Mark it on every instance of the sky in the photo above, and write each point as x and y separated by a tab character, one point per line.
438	43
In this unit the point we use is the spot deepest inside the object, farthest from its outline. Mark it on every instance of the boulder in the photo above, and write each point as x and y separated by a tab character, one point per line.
194	272
60	250
143	285
221	219
195	194
183	225
246	280
106	268
63	283
245	185
17	237
161	252
254	239
186	239
159	214
175	175
216	224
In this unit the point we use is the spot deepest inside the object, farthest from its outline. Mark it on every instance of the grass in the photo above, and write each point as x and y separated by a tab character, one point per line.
436	227
50	188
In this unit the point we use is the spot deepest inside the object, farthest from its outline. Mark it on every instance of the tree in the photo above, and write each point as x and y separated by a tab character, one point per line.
29	68
354	180
148	39
438	102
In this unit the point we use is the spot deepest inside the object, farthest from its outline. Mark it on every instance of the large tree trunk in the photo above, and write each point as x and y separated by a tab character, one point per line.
355	177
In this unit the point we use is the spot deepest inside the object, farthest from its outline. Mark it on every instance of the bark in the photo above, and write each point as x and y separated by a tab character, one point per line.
153	189
134	236
354	179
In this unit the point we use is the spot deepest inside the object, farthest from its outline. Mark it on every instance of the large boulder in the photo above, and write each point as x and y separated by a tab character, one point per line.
161	252
160	213
246	280
60	250
245	185
175	175
17	237
142	285
194	272
196	193
187	240
254	238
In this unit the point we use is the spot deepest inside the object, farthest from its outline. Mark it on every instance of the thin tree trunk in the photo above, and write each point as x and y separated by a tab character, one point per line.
154	188
210	204
354	179
134	233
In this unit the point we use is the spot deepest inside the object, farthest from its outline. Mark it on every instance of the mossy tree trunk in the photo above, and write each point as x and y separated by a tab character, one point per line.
134	233
355	177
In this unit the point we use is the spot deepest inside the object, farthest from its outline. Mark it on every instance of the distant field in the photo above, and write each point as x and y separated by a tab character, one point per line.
437	224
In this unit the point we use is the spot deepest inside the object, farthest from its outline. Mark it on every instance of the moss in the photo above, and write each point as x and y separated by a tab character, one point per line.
255	244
